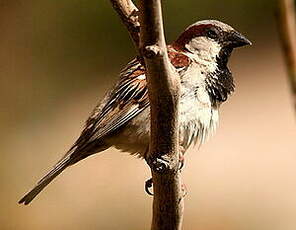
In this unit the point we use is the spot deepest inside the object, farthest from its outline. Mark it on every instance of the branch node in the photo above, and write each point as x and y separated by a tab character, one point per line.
151	51
134	16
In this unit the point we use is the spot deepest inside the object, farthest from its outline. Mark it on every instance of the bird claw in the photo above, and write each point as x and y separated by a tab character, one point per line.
148	185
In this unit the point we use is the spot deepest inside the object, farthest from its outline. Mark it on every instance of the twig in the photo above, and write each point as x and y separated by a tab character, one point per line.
163	88
287	28
128	13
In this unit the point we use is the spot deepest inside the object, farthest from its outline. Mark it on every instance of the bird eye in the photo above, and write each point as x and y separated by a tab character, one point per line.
212	33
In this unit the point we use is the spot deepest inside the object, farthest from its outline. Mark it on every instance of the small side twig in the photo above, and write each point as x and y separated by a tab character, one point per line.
287	28
129	15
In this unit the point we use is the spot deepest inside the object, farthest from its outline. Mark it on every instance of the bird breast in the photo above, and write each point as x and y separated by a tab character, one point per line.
197	118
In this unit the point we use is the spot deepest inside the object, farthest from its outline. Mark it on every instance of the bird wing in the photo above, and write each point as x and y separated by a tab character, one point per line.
128	98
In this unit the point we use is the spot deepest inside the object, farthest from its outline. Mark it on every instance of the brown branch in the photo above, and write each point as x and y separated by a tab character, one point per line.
287	28
128	13
163	88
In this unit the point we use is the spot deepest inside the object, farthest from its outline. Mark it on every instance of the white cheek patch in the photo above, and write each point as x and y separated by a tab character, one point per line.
204	51
204	46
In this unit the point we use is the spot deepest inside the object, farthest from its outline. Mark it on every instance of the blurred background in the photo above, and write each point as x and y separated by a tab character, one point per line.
58	58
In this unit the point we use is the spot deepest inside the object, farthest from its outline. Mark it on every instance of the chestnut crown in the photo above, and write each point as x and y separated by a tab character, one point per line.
212	30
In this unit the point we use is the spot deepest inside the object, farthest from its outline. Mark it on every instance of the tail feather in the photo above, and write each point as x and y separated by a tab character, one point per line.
58	168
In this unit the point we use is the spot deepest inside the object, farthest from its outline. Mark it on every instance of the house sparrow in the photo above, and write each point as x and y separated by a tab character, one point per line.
122	118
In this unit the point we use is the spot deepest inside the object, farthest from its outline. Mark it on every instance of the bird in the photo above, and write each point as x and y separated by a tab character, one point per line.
122	118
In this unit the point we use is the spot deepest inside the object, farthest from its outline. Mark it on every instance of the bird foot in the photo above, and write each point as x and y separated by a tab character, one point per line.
159	164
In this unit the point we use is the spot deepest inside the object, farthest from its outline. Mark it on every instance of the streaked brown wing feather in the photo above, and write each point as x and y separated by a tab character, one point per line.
128	98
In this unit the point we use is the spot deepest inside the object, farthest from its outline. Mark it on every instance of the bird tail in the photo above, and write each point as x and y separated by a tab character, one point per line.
57	169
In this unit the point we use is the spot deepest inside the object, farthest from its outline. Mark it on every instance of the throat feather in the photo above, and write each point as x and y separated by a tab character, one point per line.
219	85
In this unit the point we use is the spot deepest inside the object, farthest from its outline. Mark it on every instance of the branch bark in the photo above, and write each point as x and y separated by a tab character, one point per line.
287	29
163	89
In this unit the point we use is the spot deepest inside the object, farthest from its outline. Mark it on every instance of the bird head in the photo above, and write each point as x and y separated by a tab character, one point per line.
210	40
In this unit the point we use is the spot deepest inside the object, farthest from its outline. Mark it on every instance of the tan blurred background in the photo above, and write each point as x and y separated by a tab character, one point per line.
57	58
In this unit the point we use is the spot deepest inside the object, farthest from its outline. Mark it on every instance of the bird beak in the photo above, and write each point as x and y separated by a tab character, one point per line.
235	39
